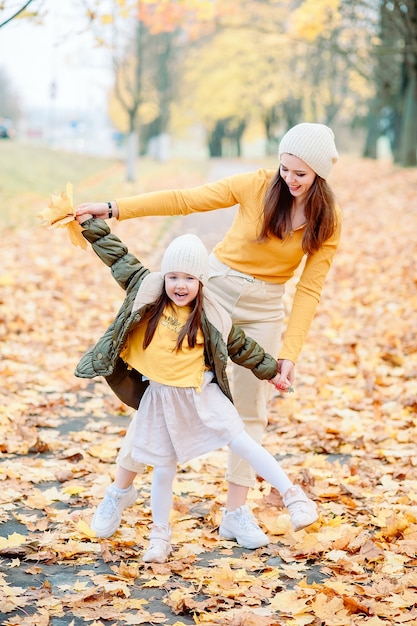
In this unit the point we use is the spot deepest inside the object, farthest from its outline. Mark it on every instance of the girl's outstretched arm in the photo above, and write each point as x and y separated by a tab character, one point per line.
126	269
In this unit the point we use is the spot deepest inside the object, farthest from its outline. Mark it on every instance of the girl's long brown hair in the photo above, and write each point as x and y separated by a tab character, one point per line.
190	328
320	213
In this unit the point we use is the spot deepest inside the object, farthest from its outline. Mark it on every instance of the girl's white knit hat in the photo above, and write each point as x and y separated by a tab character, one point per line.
312	143
186	254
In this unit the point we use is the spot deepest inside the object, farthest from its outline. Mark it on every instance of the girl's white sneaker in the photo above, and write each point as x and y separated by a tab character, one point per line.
159	545
303	511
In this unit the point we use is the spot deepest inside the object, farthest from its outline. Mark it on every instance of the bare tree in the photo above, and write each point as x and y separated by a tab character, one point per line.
12	11
128	90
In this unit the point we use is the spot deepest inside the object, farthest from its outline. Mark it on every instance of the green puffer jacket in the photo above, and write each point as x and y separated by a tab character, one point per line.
104	358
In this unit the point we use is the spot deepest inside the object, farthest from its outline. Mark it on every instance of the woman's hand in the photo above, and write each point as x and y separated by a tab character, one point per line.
98	209
285	377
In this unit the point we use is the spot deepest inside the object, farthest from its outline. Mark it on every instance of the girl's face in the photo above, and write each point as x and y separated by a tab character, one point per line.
181	288
298	175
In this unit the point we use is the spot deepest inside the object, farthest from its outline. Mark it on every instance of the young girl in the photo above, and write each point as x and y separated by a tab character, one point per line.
174	333
284	216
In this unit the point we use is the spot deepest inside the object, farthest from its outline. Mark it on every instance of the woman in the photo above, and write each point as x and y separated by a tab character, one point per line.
283	216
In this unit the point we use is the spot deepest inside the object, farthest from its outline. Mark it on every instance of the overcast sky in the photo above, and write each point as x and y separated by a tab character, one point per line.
37	56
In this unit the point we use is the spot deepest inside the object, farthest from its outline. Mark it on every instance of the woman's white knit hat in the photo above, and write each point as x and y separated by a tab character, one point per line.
312	143
186	254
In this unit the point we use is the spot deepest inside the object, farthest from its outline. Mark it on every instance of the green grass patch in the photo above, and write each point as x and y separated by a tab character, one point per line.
29	174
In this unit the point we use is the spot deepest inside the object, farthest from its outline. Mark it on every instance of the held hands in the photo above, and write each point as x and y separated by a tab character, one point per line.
60	213
83	218
97	209
284	379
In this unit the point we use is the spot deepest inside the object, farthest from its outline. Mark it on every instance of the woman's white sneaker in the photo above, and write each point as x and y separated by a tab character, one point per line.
108	514
303	511
241	526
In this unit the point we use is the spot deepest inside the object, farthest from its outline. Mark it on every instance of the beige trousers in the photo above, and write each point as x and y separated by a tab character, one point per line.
258	308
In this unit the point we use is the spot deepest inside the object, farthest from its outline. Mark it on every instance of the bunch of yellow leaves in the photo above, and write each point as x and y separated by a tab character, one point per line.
60	213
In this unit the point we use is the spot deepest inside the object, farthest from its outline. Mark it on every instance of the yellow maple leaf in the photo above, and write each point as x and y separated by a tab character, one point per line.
80	585
85	529
73	490
12	541
60	213
309	544
394	563
330	610
289	603
157	581
101	451
55	495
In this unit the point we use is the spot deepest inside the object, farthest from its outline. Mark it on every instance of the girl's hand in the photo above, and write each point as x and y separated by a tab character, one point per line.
281	385
97	209
83	218
283	381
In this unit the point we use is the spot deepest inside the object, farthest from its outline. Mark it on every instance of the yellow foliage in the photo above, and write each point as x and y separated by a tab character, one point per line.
107	18
240	76
313	18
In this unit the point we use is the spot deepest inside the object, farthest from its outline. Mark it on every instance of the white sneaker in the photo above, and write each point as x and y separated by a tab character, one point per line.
159	545
241	526
108	515
303	511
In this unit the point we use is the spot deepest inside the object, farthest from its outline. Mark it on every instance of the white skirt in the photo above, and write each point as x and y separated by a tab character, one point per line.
176	424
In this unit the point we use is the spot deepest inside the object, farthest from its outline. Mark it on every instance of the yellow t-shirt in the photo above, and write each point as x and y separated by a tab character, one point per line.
161	362
272	260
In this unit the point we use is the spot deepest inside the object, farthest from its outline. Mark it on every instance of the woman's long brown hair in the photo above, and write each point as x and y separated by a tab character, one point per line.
190	328
320	213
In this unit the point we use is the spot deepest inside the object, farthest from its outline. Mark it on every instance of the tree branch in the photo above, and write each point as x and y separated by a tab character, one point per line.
9	19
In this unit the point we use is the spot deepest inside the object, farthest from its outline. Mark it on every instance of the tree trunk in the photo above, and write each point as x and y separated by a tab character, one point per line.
131	155
165	95
407	151
215	138
159	147
370	150
270	120
237	137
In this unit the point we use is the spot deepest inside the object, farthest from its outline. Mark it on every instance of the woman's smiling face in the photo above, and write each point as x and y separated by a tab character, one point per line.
297	175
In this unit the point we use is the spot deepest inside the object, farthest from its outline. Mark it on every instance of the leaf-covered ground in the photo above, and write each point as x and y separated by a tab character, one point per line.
348	434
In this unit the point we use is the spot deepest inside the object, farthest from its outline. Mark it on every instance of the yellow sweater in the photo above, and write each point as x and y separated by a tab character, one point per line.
161	362
273	260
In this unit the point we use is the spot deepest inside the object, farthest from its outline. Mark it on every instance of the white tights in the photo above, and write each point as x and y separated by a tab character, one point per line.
244	446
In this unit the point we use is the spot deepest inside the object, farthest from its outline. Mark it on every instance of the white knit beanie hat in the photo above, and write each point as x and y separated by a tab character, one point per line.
312	143
187	254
